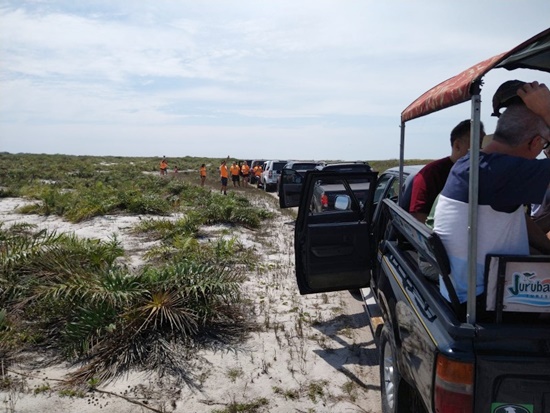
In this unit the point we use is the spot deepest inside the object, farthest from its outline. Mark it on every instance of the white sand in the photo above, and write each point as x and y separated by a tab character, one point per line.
314	353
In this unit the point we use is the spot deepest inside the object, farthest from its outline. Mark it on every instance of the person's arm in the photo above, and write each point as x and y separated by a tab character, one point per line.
537	98
537	237
418	198
421	216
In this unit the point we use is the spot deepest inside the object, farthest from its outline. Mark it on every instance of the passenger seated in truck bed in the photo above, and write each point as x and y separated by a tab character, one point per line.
429	181
509	177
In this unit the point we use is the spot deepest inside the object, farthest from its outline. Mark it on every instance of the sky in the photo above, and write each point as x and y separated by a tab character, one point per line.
296	79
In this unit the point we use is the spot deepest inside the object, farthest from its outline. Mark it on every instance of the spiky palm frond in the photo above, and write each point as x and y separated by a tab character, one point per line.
114	287
87	326
163	309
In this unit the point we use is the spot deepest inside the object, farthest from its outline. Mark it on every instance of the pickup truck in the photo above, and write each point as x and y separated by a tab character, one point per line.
435	356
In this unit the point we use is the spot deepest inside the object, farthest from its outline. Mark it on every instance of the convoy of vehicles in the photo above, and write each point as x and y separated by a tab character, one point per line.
434	356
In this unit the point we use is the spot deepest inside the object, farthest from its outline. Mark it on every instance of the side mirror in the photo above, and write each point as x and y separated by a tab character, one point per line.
342	203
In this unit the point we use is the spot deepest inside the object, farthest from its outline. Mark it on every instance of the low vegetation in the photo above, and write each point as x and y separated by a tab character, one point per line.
74	297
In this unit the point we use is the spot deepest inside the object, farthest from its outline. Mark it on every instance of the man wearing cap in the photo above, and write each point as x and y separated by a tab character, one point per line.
509	177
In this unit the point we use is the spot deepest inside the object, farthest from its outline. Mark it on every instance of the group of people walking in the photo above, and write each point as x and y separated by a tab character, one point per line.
236	170
239	172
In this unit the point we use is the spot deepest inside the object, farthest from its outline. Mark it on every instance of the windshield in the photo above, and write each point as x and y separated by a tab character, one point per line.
277	166
304	166
348	168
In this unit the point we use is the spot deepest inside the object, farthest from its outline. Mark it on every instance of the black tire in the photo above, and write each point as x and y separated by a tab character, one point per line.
397	396
389	374
356	294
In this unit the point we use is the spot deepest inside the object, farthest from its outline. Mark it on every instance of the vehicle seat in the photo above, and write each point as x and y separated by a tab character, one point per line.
405	200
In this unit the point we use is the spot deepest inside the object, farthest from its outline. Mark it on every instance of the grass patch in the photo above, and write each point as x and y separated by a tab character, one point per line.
73	296
253	406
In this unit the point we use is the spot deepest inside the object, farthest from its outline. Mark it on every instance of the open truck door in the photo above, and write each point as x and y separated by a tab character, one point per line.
334	248
290	188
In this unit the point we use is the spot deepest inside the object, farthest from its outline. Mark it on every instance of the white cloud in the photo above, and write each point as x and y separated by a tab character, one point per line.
317	72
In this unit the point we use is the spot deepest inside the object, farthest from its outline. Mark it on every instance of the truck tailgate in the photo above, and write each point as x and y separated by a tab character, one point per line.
521	381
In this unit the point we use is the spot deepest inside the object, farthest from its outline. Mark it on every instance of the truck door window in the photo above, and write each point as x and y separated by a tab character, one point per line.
382	187
326	191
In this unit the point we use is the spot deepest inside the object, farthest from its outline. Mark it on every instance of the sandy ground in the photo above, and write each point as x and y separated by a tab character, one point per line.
313	354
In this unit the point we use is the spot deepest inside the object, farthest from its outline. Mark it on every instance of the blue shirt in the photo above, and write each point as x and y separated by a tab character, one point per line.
506	183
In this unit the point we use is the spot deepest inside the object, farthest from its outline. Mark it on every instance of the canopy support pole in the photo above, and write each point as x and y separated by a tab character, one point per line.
401	160
473	197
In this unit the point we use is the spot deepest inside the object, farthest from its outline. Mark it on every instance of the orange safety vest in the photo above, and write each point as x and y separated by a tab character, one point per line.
245	169
223	171
235	169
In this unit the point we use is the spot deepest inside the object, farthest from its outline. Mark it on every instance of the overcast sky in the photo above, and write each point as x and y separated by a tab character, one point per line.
295	79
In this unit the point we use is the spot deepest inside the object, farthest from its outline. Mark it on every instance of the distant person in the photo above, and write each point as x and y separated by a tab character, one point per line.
224	175
163	167
245	171
202	172
235	172
430	180
175	169
258	174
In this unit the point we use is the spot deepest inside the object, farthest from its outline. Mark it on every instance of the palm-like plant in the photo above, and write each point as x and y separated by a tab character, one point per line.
180	305
71	295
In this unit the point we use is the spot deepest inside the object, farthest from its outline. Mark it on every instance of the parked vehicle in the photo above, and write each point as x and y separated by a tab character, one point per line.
434	357
270	175
326	190
295	179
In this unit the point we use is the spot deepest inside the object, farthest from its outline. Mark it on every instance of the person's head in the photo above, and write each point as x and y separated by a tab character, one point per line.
223	162
203	165
522	131
460	139
506	95
245	163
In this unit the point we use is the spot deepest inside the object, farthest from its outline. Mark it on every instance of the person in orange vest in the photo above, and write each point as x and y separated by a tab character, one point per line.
258	174
224	176
245	170
163	167
235	170
203	174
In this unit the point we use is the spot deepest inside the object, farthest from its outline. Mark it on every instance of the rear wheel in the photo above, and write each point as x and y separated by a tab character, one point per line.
397	395
389	374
